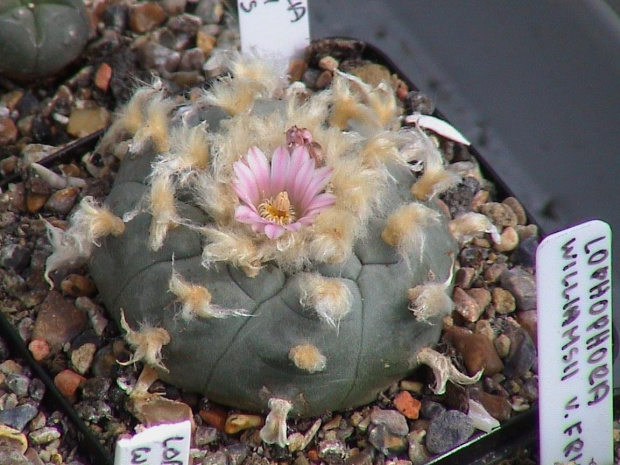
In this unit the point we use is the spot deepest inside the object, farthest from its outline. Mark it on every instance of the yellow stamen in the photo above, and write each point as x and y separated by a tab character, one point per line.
278	209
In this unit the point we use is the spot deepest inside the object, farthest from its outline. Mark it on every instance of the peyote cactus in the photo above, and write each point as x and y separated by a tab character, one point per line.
40	37
276	249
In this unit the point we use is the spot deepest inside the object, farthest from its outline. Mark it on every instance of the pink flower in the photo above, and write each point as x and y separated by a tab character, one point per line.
283	195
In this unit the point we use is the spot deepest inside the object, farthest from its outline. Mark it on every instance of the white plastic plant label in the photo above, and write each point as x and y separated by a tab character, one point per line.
158	445
573	280
277	28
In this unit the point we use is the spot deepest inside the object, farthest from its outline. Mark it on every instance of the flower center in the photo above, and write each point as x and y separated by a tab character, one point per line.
278	209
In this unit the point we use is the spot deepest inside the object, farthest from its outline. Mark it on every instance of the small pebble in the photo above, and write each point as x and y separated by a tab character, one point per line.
503	301
519	404
385	441
82	357
44	435
8	131
93	411
96	387
484	327
500	215
58	321
103	76
502	345
493	273
61	202
408	405
331	448
215	458
497	406
529	389
105	363
94	312
361	458
210	11
215	417
464	277
12	439
11	366
192	59
394	421
529	321
448	430
184	23
146	16
522	353
206	43
324	80
431	409
173	7
237	422
17	383
68	381
466	305
525	254
76	285
85	121
525	232
14	257
509	240
18	417
37	390
417	452
328	63
517	208
154	55
478	352
522	286
481	197
236	453
205	435
481	296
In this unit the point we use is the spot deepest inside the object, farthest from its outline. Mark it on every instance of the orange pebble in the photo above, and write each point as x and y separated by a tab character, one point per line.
39	349
67	382
103	76
408	405
215	417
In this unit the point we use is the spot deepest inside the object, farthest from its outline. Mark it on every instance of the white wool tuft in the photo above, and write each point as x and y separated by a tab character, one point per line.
469	225
196	300
147	343
331	298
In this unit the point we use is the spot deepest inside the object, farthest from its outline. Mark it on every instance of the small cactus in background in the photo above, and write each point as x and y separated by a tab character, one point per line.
40	37
277	251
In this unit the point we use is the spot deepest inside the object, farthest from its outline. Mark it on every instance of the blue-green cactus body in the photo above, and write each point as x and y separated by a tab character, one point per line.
40	37
243	361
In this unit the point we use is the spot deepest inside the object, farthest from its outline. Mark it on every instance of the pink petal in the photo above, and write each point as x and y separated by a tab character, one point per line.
319	180
302	179
298	157
308	220
296	226
247	183
247	215
320	203
273	231
242	193
280	161
259	165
